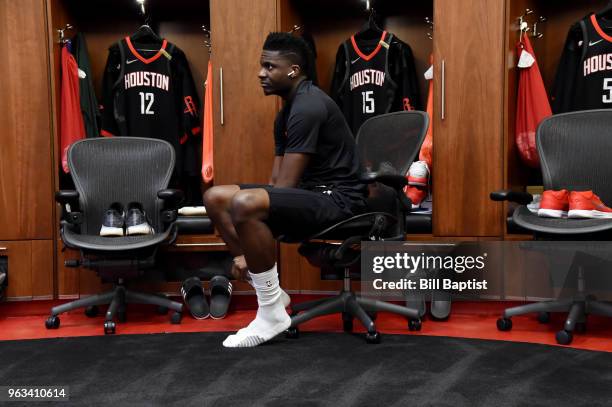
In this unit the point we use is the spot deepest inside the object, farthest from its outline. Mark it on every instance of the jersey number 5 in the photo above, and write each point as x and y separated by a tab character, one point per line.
368	101
607	85
144	98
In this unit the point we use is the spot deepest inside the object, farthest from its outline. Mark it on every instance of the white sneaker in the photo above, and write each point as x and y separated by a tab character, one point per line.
418	174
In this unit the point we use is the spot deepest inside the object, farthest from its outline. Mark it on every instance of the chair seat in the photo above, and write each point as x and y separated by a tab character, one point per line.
112	244
194	225
359	225
523	217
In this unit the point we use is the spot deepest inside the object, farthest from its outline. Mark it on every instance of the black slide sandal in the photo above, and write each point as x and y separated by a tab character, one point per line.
194	298
220	296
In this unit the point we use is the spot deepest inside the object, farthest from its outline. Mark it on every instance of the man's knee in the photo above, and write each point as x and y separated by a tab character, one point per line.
219	197
247	205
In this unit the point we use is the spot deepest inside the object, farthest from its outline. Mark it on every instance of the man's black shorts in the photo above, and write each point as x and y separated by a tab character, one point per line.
297	213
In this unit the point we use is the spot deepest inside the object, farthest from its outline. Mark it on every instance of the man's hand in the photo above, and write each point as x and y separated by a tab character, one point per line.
240	269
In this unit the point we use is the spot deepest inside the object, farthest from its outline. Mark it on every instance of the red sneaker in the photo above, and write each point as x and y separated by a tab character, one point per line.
585	204
554	204
416	195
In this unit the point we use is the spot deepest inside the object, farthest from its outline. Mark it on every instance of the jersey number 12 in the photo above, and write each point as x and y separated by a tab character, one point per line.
144	98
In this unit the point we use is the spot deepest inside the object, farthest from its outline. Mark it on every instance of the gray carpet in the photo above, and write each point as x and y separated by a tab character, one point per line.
193	369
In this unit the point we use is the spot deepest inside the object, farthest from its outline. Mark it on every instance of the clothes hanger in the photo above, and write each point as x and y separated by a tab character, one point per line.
146	35
370	30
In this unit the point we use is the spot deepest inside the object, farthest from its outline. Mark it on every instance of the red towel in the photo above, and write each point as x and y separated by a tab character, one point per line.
426	153
532	104
72	127
207	142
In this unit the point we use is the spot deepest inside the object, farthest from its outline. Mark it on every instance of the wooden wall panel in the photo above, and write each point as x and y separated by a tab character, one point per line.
468	151
244	144
19	255
42	269
25	159
67	278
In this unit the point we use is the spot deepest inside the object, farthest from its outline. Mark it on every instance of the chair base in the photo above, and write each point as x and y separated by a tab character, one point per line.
351	306
117	299
576	320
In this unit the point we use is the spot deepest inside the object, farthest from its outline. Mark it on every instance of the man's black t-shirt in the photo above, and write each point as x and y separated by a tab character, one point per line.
312	124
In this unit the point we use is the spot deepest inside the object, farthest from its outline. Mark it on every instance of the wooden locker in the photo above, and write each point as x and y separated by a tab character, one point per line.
243	117
469	90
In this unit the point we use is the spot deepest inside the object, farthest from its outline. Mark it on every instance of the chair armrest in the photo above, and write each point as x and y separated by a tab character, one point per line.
522	198
69	200
394	181
65	196
172	197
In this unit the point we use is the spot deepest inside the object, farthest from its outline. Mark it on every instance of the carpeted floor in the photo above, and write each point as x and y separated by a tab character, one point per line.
193	369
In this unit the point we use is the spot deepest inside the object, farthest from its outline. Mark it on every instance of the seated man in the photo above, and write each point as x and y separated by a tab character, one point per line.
314	184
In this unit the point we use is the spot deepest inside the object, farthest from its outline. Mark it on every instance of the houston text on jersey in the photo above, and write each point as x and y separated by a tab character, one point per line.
367	76
143	78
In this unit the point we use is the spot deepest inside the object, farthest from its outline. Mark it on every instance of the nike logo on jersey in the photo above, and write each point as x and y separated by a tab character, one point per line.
591	43
357	59
130	61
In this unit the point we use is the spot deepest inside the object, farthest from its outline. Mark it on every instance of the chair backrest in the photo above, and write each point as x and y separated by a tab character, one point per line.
119	169
576	152
390	142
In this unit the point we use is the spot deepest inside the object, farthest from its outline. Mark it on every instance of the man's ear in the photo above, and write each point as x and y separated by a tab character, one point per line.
297	71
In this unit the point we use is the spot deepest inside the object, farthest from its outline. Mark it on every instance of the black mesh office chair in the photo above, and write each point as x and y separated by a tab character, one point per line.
387	146
574	152
107	170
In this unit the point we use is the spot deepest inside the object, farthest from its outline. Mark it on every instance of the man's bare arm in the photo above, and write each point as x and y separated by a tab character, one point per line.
291	170
278	160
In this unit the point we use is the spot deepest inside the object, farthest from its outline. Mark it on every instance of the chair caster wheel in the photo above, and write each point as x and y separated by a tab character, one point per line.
92	311
53	322
580	327
372	337
564	337
292	333
161	310
176	318
543	317
109	327
504	324
414	324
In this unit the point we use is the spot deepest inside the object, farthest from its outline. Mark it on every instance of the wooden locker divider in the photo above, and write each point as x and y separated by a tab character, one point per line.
468	53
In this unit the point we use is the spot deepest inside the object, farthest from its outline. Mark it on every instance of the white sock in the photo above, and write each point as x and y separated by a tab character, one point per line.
285	298
271	319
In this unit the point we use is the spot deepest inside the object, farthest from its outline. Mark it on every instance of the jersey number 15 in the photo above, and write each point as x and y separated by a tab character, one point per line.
368	101
144	99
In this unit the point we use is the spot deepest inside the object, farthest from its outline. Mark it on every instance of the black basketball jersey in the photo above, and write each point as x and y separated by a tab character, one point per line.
367	89
584	75
374	76
150	93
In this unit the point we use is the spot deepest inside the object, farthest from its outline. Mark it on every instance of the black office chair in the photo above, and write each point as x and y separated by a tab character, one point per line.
107	170
387	146
574	152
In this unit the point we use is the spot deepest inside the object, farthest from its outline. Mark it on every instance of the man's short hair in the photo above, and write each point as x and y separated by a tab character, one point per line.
294	48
